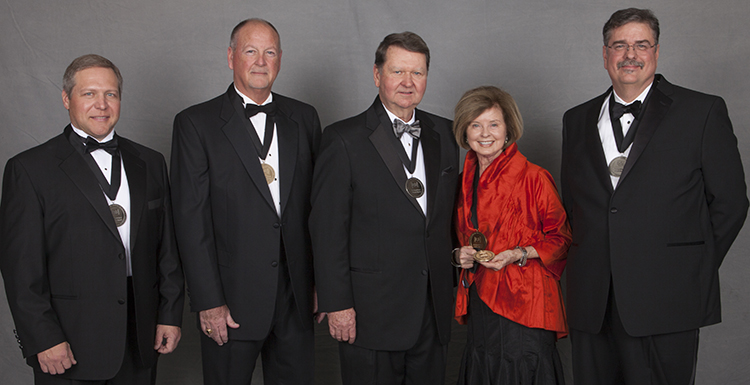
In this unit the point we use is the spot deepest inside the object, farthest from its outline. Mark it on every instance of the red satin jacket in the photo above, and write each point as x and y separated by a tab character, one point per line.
518	205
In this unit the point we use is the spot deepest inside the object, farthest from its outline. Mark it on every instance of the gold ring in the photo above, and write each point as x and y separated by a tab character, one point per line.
208	331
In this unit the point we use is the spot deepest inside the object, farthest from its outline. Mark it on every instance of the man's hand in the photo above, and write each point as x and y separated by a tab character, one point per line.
343	325
56	359
167	338
214	323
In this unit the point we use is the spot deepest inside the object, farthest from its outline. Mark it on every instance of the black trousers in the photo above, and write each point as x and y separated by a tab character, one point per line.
287	352
131	372
422	364
614	357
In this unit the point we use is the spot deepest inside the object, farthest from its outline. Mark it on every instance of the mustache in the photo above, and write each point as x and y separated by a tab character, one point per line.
629	62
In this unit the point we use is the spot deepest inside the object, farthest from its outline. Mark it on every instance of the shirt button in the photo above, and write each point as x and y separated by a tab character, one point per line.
424	272
121	301
120	256
613	210
274	264
276	225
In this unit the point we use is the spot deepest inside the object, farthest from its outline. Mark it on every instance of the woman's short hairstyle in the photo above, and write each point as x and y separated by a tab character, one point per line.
478	100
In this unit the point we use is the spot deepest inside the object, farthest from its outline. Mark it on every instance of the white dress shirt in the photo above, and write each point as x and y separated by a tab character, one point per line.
272	158
419	171
104	160
606	133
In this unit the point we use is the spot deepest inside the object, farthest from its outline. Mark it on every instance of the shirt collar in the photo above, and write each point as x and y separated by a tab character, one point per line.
246	100
640	97
392	116
84	135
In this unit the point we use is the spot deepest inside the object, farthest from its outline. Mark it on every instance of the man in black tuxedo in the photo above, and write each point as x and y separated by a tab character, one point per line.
241	170
383	196
654	190
87	249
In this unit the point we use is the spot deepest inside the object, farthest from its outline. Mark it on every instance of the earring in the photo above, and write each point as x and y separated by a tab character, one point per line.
506	140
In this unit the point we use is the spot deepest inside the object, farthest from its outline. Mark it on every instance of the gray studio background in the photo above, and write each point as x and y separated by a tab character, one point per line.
546	53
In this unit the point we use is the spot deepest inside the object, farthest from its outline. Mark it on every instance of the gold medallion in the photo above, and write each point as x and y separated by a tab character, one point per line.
118	213
414	187
269	172
478	241
484	256
616	166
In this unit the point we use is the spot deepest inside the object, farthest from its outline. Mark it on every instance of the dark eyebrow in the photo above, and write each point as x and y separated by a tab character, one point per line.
637	42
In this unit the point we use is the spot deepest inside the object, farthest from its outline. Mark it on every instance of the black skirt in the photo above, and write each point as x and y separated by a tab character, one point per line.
502	352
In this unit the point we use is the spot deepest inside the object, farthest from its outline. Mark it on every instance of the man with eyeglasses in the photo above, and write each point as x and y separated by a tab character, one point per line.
654	189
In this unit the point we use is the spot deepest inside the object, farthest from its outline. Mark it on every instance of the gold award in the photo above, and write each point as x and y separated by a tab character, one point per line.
414	187
483	256
616	166
478	241
118	213
269	172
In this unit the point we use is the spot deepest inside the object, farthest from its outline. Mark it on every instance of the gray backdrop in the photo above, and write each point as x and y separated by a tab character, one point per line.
546	53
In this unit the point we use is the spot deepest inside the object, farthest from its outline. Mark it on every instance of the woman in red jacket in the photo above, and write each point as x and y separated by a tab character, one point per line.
515	235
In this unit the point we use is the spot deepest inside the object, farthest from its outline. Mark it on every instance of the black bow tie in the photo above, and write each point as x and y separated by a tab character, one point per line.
618	110
400	127
253	109
93	145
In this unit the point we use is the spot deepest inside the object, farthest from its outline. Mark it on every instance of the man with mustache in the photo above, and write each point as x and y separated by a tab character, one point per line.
654	189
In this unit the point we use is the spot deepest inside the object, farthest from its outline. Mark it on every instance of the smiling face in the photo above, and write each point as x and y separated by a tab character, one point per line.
94	101
486	135
631	71
255	60
401	81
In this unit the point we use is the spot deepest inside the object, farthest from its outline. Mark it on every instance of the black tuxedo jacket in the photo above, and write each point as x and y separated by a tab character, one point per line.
375	250
659	238
64	264
228	231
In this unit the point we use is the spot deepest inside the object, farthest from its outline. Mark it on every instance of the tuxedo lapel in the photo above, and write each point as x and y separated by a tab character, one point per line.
655	110
287	134
382	138
430	141
80	174
594	143
236	130
135	171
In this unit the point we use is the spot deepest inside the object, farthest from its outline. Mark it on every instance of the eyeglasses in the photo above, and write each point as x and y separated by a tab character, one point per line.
622	47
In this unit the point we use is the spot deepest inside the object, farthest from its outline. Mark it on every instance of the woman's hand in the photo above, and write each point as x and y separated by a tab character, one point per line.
503	259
